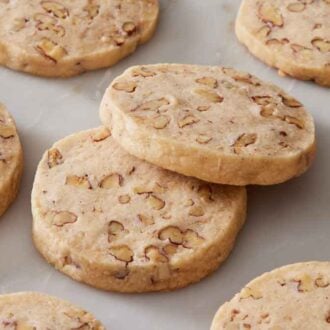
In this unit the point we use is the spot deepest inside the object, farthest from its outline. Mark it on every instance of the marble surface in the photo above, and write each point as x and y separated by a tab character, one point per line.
286	223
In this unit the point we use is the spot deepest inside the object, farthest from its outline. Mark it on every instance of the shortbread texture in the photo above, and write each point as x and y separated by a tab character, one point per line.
11	160
213	123
292	297
291	35
117	223
36	311
66	37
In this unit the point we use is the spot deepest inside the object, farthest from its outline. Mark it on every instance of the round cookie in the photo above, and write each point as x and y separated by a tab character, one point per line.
291	297
63	38
32	310
117	223
11	160
291	35
213	123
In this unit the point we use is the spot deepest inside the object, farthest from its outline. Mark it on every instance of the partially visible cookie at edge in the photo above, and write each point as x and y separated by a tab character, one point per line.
214	123
291	297
11	160
292	36
33	310
117	223
63	38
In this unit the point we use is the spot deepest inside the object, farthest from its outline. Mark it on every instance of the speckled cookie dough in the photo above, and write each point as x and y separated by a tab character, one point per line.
217	124
11	160
63	38
117	223
36	311
292	297
291	35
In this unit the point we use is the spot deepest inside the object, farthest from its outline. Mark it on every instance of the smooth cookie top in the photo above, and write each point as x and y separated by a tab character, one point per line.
291	297
108	207
31	310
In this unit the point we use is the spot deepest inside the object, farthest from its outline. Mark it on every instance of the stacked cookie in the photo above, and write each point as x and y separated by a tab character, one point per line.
123	207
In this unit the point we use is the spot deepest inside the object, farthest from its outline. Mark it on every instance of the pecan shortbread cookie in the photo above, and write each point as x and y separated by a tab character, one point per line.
117	223
32	310
213	123
291	35
11	160
61	38
292	297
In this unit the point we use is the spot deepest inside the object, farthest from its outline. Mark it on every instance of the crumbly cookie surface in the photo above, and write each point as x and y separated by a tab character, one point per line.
291	297
32	310
11	160
117	223
293	36
64	37
214	123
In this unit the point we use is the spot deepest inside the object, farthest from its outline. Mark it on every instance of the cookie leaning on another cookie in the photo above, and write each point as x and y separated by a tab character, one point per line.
291	297
293	36
11	160
63	38
117	223
32	310
217	124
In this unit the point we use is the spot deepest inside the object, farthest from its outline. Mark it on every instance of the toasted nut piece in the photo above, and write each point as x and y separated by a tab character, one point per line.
101	135
301	51
78	181
267	110
129	27
146	219
54	157
118	39
227	84
55	8
142	190
158	188
170	249
51	50
296	7
321	44
305	283
276	42
161	122
44	18
196	211
203	108
120	274
248	292
124	199
205	191
113	180
263	32
156	203
122	253
294	121
191	239
321	282
128	87
189	202
19	24
152	253
153	105
208	81
269	13
115	228
143	72
262	100
290	101
211	96
203	138
92	10
243	141
172	233
187	120
63	218
7	132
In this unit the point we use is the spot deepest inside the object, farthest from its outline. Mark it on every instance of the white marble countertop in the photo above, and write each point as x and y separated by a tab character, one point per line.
286	223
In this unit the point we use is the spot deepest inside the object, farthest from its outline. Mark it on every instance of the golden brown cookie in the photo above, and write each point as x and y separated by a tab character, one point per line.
110	220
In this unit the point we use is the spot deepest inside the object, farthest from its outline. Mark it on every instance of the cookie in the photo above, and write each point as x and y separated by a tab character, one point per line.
291	35
291	297
11	160
117	223
212	123
64	38
32	310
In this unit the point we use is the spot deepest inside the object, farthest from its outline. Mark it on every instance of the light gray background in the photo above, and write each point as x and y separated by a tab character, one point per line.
286	223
